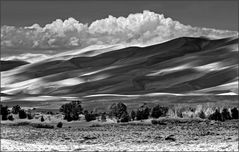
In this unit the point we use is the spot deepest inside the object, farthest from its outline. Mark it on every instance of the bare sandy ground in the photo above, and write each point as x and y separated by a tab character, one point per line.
172	136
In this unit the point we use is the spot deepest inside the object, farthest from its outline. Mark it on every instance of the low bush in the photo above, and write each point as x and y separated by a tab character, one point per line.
143	112
42	119
179	112
90	117
158	122
103	117
71	110
59	125
22	114
117	110
50	113
124	117
47	126
22	124
16	109
95	125
225	114
133	115
216	116
201	115
10	118
29	116
159	111
154	122
235	113
4	112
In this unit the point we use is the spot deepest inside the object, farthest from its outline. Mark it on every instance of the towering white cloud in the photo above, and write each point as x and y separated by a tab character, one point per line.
143	28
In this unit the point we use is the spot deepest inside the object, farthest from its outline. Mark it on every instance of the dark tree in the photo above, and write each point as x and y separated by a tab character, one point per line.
124	117
42	119
16	109
225	114
59	125
235	113
142	112
90	116
158	111
146	113
10	118
202	115
4	112
29	116
50	113
133	114
103	117
71	110
216	116
117	110
22	114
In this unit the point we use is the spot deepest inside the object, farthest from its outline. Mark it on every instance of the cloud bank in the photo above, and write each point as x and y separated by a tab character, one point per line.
141	28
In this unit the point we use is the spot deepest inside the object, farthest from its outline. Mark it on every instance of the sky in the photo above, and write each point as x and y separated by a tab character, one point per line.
219	14
33	29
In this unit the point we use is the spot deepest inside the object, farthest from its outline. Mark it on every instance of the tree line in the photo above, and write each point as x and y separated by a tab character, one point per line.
119	111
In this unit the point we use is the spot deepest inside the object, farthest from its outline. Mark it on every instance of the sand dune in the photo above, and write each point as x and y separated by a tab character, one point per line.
180	66
11	64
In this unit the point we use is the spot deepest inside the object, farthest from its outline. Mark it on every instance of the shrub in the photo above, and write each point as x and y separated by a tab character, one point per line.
50	113
179	113
142	112
90	116
158	111
42	119
4	112
158	122
133	115
95	125
235	113
59	125
43	126
103	117
201	115
71	110
154	122
215	116
124	117
225	114
22	124
10	118
22	114
117	110
16	109
29	116
68	118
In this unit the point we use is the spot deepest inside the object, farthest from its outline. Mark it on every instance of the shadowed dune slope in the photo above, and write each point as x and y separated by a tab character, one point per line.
183	65
8	65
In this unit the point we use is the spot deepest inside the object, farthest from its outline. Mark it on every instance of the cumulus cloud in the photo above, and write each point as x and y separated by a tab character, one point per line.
141	28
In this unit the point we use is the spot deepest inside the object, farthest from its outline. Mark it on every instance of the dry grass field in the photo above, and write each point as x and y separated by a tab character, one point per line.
172	134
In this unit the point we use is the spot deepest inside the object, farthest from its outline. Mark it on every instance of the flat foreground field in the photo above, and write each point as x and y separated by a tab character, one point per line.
137	136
